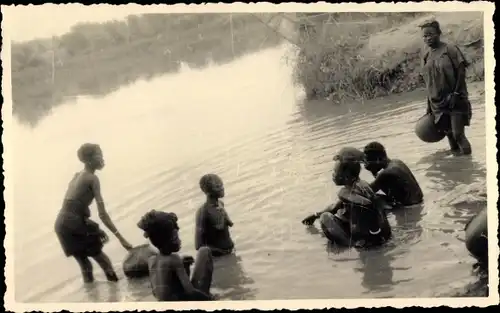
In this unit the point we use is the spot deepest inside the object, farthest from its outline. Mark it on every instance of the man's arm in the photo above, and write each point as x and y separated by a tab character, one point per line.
460	64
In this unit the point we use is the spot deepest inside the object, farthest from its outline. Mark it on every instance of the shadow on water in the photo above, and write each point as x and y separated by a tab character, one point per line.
230	279
377	264
377	269
408	228
447	172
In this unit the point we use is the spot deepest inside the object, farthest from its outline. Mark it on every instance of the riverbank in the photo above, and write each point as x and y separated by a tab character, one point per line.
379	54
97	59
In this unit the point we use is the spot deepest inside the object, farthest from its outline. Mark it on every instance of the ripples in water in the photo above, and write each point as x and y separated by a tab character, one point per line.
274	153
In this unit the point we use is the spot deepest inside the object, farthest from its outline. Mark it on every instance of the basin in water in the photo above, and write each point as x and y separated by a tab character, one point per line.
427	131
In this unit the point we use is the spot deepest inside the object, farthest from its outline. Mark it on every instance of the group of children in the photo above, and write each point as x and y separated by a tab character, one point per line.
170	274
359	215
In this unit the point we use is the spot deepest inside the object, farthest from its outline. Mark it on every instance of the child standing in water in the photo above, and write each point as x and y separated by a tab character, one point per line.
79	236
168	272
355	210
212	220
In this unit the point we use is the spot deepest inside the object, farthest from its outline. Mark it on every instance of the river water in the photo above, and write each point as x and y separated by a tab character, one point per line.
246	122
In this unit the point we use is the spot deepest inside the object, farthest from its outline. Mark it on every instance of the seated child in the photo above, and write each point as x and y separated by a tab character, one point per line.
356	212
167	270
392	176
212	220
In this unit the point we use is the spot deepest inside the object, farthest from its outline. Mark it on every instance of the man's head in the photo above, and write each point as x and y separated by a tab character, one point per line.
90	154
212	186
375	157
347	166
431	32
162	230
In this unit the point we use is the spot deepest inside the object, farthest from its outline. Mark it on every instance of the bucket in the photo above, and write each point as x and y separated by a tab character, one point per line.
135	264
427	131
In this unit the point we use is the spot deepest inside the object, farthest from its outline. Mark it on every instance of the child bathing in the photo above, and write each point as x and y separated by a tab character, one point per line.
79	236
168	272
212	220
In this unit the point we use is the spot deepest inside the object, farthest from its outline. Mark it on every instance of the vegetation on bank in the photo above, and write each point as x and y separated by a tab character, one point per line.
348	56
95	59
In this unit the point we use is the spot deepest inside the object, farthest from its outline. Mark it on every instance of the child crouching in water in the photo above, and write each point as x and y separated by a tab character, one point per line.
168	272
212	220
356	210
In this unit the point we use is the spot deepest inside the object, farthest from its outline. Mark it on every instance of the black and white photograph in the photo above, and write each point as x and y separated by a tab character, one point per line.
239	156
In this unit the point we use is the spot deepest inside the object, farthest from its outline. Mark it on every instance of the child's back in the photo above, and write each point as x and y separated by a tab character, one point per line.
168	273
164	280
359	207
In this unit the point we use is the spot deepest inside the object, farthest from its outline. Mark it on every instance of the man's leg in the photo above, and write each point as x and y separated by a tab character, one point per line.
458	130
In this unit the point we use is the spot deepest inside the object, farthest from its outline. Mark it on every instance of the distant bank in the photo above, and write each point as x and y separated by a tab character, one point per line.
97	58
343	56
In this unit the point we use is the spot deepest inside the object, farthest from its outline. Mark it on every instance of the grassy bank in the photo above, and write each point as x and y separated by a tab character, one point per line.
376	54
96	59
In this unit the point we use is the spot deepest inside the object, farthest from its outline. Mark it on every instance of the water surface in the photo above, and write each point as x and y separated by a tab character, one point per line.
244	121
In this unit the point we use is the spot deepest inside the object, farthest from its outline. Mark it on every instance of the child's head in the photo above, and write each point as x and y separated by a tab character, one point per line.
90	154
375	157
162	230
347	166
212	186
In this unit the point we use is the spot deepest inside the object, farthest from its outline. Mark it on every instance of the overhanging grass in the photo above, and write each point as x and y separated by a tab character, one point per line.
380	55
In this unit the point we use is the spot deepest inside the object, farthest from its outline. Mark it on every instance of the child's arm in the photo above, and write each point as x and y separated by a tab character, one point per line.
103	214
332	208
180	271
229	222
200	228
380	180
365	199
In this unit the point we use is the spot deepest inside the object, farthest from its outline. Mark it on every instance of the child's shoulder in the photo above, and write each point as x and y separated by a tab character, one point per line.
165	260
87	176
362	183
203	208
361	187
395	167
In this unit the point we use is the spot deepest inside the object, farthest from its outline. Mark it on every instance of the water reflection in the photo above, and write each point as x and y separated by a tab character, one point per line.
251	122
377	269
447	171
108	72
408	227
453	175
230	278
